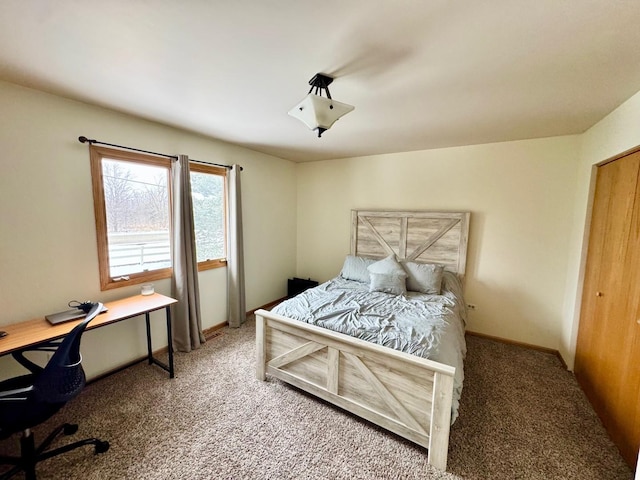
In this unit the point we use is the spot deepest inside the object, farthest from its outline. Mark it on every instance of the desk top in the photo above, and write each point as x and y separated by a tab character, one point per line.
32	332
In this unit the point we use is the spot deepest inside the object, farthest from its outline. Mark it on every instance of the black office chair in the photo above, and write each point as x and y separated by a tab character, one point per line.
29	400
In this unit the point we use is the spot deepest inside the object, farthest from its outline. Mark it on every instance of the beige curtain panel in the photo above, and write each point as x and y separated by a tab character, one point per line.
235	254
186	321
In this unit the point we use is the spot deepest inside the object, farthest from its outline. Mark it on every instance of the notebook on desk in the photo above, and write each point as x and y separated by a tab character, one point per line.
68	315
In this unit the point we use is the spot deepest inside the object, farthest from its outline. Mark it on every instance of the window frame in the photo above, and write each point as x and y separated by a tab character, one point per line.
97	154
221	172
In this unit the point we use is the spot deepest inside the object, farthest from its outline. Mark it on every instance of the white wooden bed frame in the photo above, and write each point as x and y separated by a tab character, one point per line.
403	393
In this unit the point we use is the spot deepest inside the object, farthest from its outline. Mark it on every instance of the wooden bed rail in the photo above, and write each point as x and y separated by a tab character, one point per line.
402	393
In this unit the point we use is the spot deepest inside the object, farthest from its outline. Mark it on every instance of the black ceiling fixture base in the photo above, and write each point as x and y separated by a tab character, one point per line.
320	82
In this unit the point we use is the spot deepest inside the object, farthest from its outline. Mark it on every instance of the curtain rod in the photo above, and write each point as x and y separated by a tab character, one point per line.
83	139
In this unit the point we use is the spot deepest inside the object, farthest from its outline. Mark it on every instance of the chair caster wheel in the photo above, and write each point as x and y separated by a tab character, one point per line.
102	447
69	428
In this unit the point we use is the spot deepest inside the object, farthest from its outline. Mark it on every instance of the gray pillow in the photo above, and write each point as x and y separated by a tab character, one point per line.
388	276
388	283
355	268
388	266
424	277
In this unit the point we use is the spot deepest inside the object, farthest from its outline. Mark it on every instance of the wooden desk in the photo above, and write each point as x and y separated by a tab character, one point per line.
32	332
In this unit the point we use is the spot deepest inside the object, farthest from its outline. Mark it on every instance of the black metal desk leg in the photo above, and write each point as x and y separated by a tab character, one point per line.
149	351
169	341
152	359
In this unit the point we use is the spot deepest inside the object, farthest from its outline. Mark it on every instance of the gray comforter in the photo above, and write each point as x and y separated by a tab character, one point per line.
429	326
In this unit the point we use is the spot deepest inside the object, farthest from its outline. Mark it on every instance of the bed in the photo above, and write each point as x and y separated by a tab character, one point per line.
400	391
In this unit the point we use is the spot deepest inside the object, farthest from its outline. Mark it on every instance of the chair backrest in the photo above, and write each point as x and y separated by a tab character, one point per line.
63	377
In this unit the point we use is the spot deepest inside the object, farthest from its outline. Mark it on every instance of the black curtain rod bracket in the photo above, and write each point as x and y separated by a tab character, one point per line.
90	141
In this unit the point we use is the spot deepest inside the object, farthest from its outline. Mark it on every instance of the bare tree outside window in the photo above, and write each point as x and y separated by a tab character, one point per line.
132	193
207	192
208	195
157	200
118	194
137	207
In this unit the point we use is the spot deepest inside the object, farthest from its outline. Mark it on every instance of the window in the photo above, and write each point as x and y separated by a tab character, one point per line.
208	194
131	195
132	201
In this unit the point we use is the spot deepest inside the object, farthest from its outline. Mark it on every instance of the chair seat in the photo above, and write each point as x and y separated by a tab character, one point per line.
17	382
18	416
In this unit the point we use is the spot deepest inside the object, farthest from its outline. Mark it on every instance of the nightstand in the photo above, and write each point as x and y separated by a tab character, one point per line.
299	285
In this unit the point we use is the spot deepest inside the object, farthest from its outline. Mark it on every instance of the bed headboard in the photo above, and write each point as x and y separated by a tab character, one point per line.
418	236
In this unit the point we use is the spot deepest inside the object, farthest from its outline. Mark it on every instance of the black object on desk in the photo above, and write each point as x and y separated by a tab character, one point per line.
298	285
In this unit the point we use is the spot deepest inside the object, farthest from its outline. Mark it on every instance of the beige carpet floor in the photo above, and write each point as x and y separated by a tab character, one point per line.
522	416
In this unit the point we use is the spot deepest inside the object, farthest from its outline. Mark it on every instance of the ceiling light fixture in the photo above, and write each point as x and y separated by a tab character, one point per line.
317	112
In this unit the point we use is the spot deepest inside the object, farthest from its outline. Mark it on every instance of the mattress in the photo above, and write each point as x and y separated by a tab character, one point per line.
428	326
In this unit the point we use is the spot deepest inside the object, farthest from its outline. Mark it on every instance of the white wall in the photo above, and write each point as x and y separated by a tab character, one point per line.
529	204
48	252
521	197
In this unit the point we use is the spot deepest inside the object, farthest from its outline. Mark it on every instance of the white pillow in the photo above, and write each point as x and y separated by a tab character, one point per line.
388	283
355	268
424	277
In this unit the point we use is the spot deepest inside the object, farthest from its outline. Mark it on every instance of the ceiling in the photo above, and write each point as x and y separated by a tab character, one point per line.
421	74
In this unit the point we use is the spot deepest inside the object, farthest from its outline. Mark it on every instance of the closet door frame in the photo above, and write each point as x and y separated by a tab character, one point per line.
586	358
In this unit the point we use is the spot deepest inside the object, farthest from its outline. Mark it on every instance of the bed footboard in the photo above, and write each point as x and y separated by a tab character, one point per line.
402	393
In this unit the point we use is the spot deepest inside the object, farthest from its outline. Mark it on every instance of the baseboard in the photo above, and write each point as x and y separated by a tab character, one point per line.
270	305
208	333
117	369
211	331
521	344
267	306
